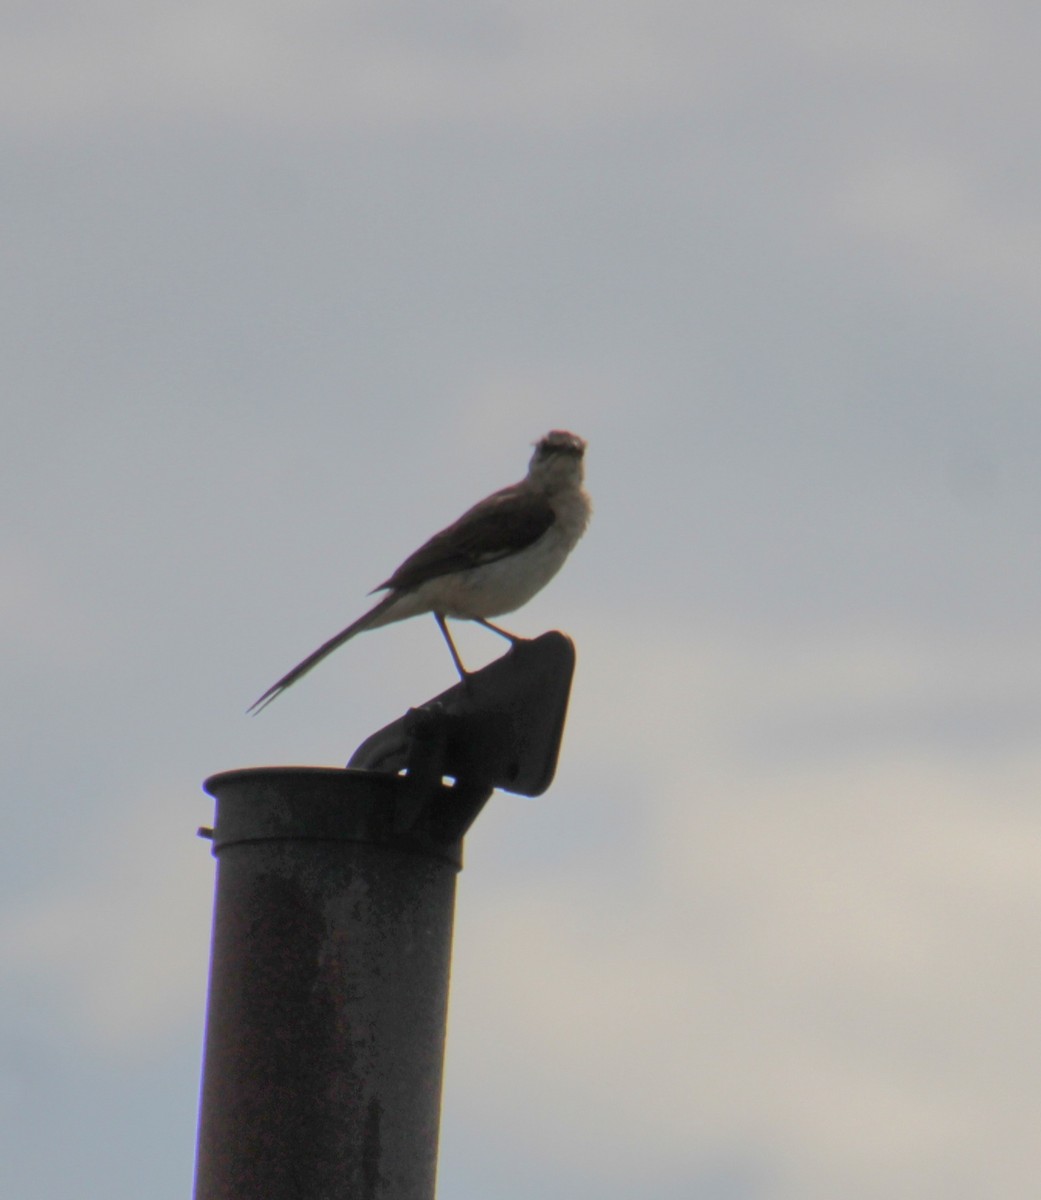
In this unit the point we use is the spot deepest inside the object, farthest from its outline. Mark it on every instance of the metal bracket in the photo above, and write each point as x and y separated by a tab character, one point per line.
500	728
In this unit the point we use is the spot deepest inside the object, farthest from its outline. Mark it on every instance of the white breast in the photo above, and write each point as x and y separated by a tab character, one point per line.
507	583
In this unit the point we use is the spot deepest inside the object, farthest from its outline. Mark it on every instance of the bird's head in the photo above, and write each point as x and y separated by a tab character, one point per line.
557	461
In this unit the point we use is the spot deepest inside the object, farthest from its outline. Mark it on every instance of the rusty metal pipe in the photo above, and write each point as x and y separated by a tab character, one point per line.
328	991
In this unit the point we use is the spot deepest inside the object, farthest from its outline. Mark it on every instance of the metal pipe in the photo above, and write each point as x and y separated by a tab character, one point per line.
332	933
328	990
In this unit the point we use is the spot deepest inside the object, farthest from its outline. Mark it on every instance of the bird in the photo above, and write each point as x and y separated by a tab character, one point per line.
490	561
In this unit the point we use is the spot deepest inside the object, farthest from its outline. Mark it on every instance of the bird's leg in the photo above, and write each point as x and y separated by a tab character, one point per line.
464	675
510	637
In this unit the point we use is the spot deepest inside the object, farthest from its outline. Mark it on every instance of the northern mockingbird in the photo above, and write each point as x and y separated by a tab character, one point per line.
491	561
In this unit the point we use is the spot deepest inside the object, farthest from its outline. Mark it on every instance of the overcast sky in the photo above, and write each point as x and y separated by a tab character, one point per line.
285	288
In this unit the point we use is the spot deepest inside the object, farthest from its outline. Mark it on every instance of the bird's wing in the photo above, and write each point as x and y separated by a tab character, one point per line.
504	523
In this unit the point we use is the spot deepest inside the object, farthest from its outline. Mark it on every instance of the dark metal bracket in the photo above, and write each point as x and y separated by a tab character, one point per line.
500	728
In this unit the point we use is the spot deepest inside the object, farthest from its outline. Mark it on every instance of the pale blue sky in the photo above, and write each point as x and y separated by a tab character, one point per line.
285	289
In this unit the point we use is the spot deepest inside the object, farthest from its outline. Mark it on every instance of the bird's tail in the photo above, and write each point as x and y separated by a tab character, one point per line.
312	660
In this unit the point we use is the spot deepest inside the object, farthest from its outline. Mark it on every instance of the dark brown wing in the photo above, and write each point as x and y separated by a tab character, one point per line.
506	522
